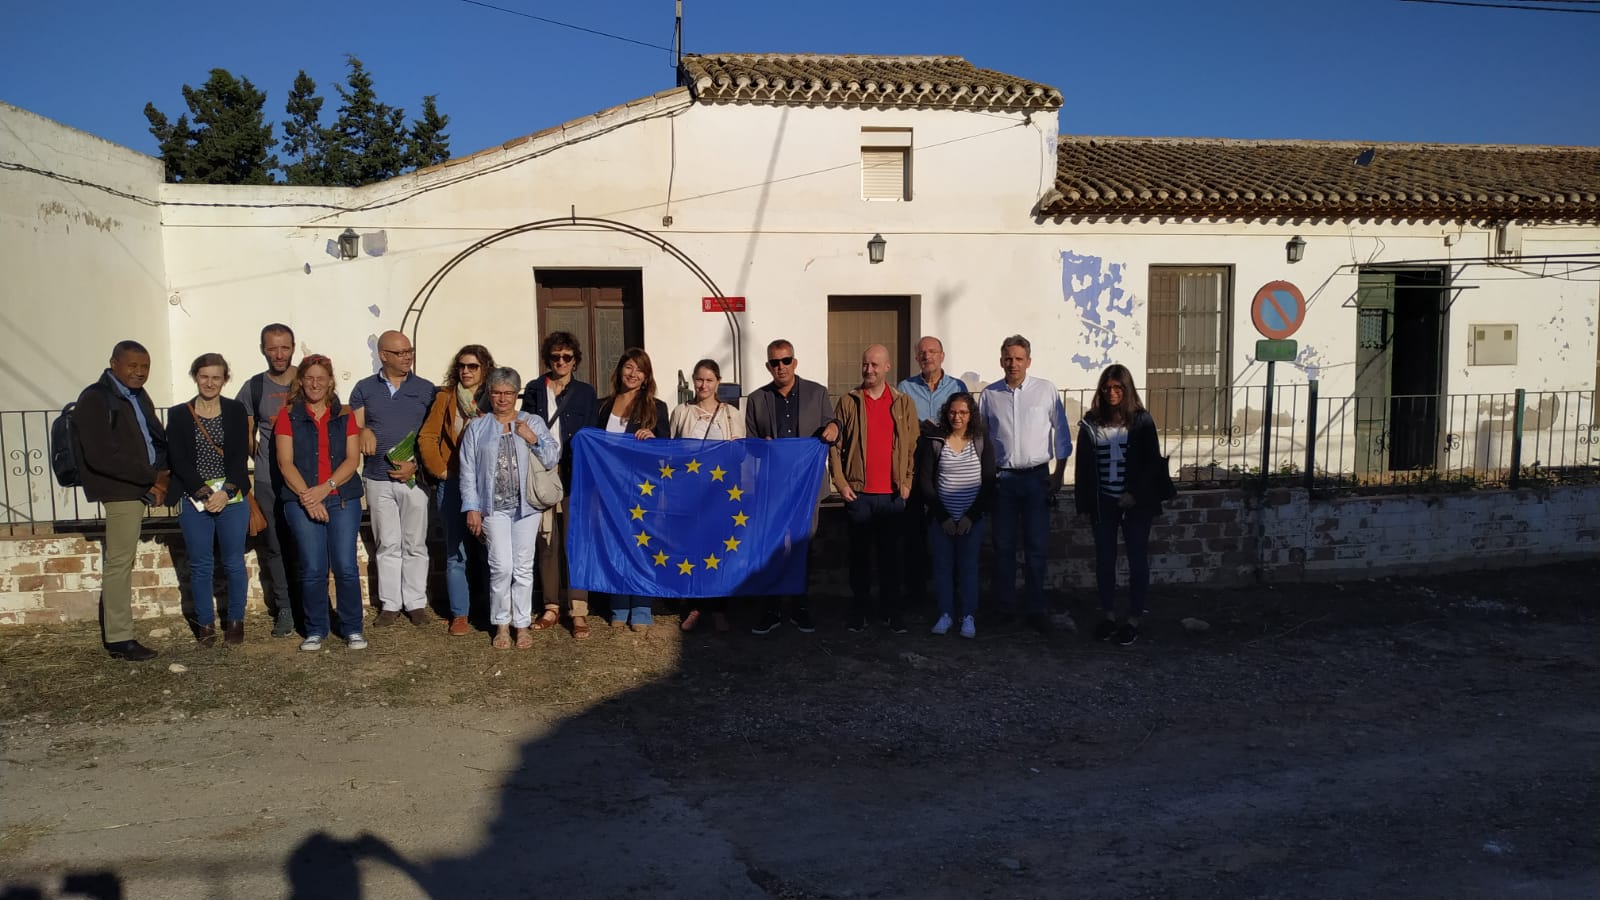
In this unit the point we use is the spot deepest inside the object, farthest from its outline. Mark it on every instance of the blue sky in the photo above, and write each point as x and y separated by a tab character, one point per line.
1379	70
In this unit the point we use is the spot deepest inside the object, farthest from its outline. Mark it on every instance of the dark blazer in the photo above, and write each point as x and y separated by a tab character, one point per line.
600	418
1144	463
115	464
928	454
576	408
183	447
815	413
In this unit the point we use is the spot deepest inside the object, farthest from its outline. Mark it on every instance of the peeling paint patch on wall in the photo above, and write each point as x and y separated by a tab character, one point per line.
1310	361
1103	307
56	208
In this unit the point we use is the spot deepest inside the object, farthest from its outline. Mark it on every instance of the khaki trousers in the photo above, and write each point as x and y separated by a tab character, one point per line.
552	550
124	518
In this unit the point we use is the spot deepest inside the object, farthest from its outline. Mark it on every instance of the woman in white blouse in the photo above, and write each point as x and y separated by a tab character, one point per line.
707	419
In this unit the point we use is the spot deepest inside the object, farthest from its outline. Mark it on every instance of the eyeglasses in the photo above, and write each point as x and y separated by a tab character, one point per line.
780	361
502	393
469	367
562	357
406	352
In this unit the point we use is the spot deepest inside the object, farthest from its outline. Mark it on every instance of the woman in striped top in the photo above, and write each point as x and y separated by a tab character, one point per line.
1119	487
956	476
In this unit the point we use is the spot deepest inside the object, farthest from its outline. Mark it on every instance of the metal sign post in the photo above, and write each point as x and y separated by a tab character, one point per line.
1271	352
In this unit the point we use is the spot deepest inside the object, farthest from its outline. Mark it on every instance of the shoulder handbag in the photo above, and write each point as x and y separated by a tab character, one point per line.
544	484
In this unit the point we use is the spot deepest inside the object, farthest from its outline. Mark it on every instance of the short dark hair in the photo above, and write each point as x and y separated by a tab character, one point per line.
128	347
210	359
708	364
780	342
276	328
556	339
1017	340
976	426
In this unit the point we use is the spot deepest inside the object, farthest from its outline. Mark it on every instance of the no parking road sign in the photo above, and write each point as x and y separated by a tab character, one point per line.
1278	309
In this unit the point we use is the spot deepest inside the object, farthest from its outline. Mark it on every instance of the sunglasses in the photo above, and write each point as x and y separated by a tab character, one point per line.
469	367
562	357
780	361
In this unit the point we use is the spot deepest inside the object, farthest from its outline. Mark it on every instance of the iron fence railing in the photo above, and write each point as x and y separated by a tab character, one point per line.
1211	436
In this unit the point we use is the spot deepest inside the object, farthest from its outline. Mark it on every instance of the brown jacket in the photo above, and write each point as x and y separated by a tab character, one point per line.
436	440
846	458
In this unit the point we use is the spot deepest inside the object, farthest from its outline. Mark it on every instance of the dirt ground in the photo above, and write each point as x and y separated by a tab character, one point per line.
1420	737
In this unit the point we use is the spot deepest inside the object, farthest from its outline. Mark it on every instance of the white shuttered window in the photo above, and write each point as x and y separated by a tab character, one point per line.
886	164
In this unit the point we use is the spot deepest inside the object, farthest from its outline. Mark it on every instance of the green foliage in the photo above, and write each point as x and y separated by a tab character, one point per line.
304	138
223	139
367	142
429	145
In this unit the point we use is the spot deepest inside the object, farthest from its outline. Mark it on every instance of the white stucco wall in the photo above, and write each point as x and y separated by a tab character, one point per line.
83	267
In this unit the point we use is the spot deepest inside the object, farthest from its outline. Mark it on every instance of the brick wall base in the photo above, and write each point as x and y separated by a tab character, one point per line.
1217	537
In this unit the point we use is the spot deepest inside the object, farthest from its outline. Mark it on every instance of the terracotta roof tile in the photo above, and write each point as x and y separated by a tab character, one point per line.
810	79
1207	178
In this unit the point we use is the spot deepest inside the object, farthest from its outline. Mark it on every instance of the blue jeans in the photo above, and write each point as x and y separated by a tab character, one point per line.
875	522
323	546
1021	502
954	558
226	531
1135	527
632	609
463	554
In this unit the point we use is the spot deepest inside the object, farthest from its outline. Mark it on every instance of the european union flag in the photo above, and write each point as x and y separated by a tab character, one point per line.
688	518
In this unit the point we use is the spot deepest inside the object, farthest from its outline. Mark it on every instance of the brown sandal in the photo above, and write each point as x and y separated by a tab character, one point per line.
524	638
580	627
548	619
690	620
502	638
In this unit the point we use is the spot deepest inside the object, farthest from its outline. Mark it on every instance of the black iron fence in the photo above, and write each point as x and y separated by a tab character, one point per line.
1212	436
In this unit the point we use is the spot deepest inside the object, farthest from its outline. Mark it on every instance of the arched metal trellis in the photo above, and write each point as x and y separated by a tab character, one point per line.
419	303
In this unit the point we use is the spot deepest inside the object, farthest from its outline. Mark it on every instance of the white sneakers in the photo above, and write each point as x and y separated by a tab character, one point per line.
357	642
969	629
943	625
312	643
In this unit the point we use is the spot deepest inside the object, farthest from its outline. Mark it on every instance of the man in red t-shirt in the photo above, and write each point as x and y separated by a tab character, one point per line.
872	470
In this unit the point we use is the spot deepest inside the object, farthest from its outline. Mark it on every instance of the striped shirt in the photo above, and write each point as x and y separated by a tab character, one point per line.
960	476
1111	453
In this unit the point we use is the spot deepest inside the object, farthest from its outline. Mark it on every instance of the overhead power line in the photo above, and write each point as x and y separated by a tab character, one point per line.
604	34
1520	7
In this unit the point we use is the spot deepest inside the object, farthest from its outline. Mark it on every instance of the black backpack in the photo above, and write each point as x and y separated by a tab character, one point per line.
66	447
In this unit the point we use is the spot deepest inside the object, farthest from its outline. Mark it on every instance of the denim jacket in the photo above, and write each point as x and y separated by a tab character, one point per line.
479	449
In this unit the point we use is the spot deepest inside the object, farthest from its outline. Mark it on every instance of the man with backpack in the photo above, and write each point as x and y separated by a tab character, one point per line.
263	395
124	467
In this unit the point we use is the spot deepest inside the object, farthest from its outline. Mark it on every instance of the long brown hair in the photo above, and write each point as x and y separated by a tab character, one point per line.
1101	411
643	408
296	395
452	376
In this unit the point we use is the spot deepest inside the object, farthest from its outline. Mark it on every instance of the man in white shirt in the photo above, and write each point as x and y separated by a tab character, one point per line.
1028	427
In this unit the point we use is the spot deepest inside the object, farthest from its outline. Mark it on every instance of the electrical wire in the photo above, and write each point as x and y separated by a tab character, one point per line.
604	34
1515	6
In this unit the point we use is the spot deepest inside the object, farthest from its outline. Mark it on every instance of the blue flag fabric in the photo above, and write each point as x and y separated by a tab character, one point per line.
688	518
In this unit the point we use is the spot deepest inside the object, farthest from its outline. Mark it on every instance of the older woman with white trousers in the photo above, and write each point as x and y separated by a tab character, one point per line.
495	453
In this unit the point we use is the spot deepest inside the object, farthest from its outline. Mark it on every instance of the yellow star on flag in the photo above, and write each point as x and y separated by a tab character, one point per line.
660	557
692	467
647	489
638	512
642	538
740	518
685	567
717	473
731	544
711	561
666	471
735	493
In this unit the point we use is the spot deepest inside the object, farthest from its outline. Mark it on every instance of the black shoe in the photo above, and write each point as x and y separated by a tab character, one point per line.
283	623
1127	634
895	624
770	622
856	624
802	620
1105	630
1041	623
133	651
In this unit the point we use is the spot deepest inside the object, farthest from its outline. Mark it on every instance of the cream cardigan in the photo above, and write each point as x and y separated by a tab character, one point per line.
686	422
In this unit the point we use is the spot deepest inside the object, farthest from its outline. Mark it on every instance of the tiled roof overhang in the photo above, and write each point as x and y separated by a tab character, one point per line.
1304	180
805	79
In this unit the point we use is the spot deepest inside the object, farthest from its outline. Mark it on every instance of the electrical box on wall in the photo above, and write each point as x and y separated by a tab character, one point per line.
1494	345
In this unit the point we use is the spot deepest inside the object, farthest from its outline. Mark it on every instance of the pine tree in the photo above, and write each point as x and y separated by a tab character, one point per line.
304	138
367	142
429	145
229	139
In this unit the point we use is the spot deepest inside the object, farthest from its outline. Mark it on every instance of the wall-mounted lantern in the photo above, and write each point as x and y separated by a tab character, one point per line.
349	244
1296	248
875	248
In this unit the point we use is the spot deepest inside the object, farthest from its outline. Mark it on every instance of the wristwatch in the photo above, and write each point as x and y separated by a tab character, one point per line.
333	485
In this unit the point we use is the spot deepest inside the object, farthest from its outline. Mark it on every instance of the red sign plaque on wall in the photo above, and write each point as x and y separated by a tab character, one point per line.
715	304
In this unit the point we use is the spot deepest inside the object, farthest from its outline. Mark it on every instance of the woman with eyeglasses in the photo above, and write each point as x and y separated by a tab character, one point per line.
566	404
1119	486
318	448
496	454
460	400
956	475
705	418
632	408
